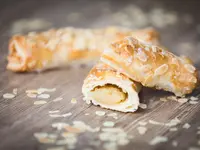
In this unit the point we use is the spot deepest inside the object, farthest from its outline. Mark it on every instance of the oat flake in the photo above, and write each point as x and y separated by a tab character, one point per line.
8	95
142	130
100	113
186	126
108	124
40	102
58	99
43	96
158	139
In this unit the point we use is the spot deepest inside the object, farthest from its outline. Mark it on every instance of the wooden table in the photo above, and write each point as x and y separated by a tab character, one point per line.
20	119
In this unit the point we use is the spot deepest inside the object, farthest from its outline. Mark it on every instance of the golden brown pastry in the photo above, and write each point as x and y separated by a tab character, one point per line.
55	48
151	65
108	88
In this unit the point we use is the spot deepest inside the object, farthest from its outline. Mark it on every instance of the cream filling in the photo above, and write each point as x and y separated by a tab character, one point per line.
108	94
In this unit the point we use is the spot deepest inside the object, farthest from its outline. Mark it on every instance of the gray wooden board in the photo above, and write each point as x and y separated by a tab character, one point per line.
19	118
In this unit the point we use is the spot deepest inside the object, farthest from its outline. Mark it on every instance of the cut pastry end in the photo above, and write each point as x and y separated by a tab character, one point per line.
108	94
112	96
18	59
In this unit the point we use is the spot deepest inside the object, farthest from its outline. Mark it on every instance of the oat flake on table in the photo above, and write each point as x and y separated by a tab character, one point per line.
8	96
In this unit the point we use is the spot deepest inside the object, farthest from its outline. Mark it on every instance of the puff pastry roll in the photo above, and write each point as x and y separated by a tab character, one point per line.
110	89
55	48
151	66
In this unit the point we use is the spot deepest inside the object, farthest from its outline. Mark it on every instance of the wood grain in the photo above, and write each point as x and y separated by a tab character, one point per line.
19	118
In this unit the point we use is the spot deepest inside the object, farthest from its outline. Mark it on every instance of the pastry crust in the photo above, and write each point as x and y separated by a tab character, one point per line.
151	65
114	83
55	48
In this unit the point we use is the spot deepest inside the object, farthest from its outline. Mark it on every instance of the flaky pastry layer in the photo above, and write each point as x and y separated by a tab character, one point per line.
55	48
151	65
110	89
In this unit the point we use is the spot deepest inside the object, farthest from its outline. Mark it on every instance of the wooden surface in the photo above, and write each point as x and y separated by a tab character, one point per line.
19	118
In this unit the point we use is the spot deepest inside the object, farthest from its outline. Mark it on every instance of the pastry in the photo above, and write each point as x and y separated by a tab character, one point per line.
151	65
110	89
56	48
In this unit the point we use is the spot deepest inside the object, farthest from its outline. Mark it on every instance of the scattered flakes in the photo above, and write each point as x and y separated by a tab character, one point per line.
143	106
55	115
42	90
54	111
40	102
194	98
33	91
40	135
8	95
108	124
155	122
56	148
174	143
100	113
115	117
193	102
158	139
163	99
173	122
57	99
112	115
193	148
59	125
72	129
110	145
173	129
123	141
15	91
67	114
60	115
46	140
87	114
182	100
31	95
61	142
186	126
142	123
142	130
73	101
174	98
43	96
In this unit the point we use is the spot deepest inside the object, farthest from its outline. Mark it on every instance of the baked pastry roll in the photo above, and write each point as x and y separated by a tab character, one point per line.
110	89
55	48
151	66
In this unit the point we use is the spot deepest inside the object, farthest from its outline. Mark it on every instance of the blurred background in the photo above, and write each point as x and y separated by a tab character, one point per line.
177	21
